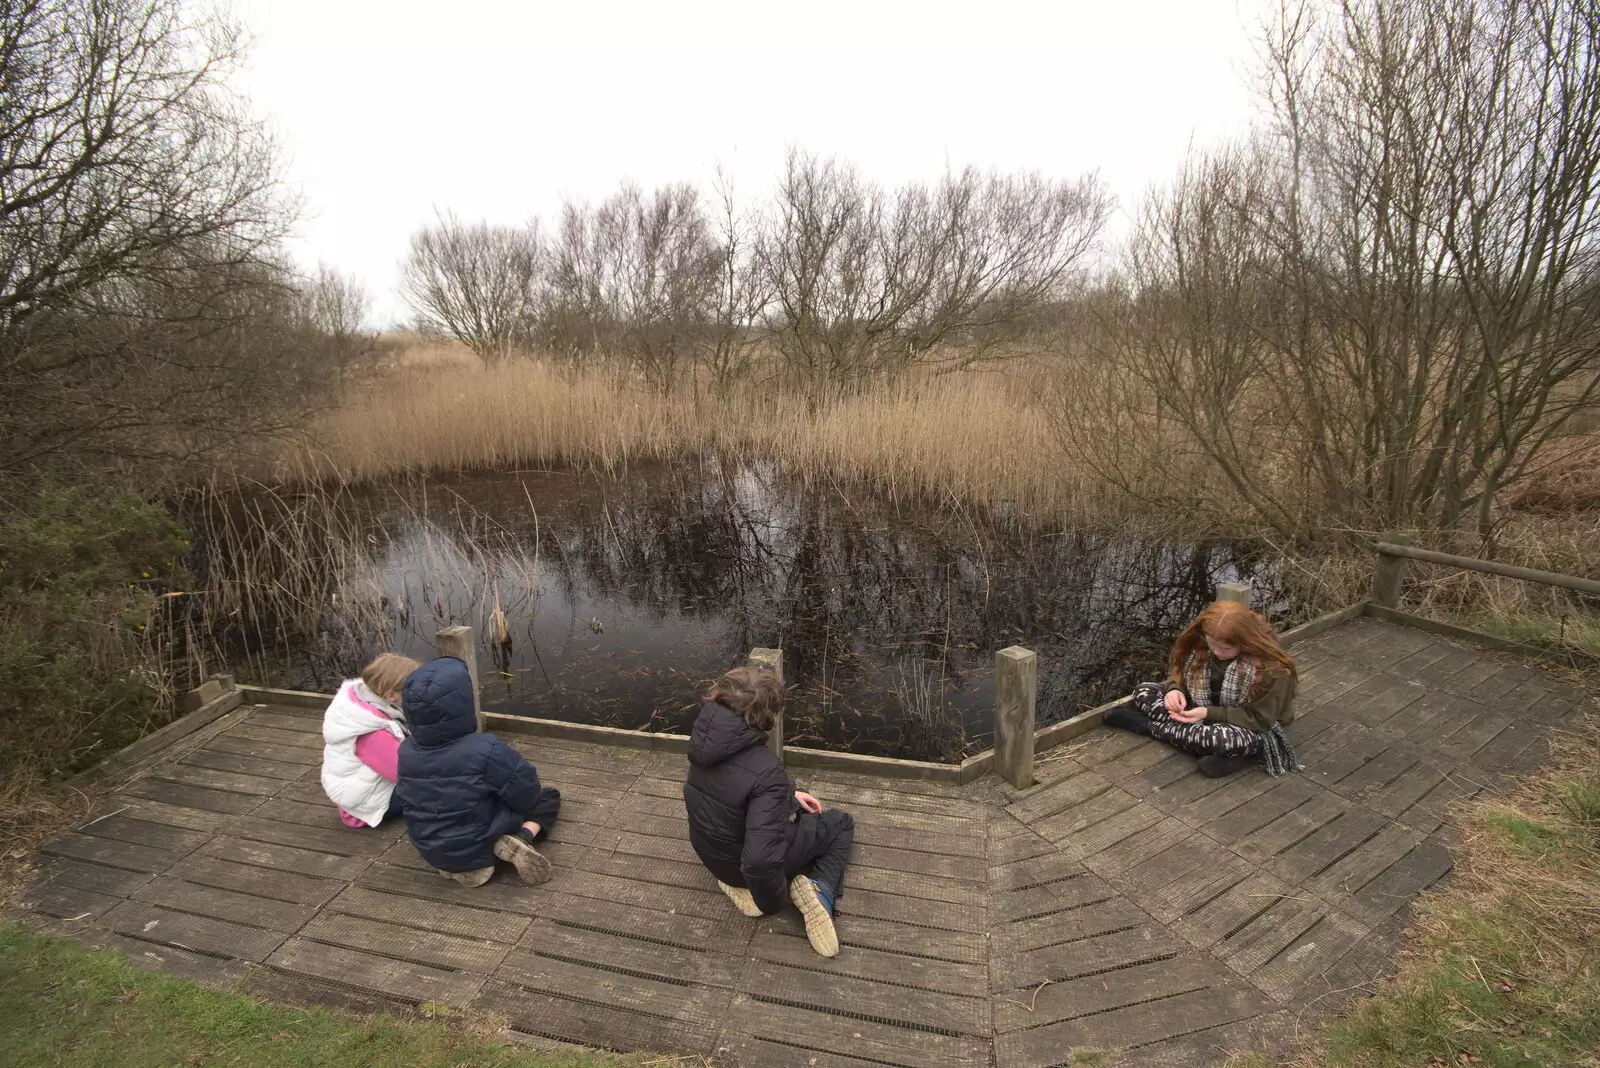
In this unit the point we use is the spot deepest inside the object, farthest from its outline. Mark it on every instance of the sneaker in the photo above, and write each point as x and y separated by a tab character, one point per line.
741	899
532	865
815	903
1127	718
1218	767
475	877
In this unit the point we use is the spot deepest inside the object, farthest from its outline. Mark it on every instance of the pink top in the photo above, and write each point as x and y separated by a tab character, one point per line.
378	750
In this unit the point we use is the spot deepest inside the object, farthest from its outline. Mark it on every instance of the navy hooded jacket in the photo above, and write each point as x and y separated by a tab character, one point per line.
743	817
460	789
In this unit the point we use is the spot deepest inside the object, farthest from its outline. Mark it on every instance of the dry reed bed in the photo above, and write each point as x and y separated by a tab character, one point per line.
979	436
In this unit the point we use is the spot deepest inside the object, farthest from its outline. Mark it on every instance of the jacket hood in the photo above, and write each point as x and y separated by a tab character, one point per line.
438	702
720	733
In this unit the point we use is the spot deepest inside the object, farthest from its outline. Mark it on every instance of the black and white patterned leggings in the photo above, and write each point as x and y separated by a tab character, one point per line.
1200	739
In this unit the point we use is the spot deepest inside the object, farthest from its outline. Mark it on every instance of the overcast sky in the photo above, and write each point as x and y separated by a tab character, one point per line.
390	110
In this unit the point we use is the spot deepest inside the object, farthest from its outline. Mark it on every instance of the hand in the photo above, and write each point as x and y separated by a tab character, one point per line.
807	802
1176	702
1191	715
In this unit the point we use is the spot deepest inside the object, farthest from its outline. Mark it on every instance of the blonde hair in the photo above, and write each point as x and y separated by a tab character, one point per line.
387	673
755	694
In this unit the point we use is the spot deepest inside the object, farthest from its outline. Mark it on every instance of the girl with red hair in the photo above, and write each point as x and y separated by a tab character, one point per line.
1229	692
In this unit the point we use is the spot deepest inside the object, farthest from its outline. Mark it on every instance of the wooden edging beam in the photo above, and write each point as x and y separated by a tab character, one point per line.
134	758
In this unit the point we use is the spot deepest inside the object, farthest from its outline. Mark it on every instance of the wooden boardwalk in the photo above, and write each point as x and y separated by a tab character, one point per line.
1126	902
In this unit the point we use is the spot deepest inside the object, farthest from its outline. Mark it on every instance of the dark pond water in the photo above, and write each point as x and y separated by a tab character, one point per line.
623	598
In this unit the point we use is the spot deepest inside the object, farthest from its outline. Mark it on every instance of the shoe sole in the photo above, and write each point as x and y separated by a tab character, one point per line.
820	931
476	877
532	866
741	899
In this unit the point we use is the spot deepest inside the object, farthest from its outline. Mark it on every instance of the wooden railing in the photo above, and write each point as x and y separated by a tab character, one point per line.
1395	549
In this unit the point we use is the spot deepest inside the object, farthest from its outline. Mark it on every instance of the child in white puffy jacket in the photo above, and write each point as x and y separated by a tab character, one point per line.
361	734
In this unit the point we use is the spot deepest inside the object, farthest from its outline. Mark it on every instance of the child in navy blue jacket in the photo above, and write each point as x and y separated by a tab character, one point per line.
468	797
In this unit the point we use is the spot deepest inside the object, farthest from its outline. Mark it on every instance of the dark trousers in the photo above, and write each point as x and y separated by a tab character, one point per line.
1197	739
544	811
830	850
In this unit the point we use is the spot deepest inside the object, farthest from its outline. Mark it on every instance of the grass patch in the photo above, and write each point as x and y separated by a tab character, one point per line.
63	1004
1503	966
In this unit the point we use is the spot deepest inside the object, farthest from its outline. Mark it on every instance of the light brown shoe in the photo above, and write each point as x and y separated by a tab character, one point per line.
531	865
741	899
475	877
819	925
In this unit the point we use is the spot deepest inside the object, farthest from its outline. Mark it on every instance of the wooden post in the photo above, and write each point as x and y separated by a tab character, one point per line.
771	660
1390	573
1234	591
1016	678
458	642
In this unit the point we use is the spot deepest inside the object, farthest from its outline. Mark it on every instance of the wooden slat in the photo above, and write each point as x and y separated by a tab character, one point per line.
249	879
898	1005
285	858
216	760
67	902
459	920
112	852
87	875
1073	925
1087	957
898	969
1135	1025
230	781
618	952
239	745
405	980
152	923
822	1032
1019	1009
609	990
248	731
890	937
340	840
187	796
581	1023
393	939
232	906
126	827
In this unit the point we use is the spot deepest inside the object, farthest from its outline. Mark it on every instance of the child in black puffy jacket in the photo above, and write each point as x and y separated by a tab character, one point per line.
748	823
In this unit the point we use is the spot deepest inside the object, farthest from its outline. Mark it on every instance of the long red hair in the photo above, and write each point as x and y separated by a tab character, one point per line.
1234	623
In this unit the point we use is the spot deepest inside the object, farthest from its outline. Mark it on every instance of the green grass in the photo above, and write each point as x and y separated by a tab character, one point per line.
1503	966
63	1004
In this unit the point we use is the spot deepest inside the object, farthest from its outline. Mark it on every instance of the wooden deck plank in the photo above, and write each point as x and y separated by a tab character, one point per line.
184	795
1085	957
845	994
898	969
247	909
393	939
619	952
580	1023
221	760
450	919
127	827
404	980
87	875
250	879
1135	1025
232	782
1019	1009
240	745
152	923
284	858
112	852
849	1036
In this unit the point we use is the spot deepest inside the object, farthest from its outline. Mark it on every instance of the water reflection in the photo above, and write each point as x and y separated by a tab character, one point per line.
621	598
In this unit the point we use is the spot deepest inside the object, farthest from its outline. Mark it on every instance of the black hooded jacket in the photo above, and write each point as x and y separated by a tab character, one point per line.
461	789
743	817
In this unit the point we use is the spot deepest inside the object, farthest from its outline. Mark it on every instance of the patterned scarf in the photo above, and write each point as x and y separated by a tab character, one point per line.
1238	685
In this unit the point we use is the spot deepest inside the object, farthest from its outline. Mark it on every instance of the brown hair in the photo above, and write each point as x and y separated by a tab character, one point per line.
1234	623
755	694
386	674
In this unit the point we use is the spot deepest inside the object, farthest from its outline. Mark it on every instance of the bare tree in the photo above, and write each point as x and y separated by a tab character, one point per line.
478	282
634	277
139	215
1402	274
740	298
866	282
